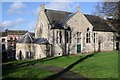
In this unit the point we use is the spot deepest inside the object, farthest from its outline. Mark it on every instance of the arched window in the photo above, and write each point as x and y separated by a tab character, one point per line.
88	36
41	28
57	36
60	34
68	34
95	38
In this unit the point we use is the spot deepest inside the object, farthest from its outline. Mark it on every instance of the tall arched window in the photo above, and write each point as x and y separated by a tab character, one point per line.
60	34
41	28
68	35
57	36
95	38
88	36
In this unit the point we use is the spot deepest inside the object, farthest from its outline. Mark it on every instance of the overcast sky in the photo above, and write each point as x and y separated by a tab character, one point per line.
23	15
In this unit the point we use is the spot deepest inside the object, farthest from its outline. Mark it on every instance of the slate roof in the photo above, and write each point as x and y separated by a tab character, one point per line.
41	41
98	23
58	18
17	32
27	38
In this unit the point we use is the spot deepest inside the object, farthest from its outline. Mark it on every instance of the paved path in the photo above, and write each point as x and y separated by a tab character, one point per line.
61	73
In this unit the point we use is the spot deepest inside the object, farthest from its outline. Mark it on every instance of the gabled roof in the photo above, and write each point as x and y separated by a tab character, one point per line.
27	38
98	23
41	41
57	20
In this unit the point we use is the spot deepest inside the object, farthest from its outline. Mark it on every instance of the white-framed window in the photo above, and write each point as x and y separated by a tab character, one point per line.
79	37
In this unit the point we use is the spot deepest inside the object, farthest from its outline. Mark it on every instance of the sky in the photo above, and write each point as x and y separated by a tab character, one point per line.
24	15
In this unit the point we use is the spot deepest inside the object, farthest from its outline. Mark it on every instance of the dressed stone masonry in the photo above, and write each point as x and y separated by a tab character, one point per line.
60	33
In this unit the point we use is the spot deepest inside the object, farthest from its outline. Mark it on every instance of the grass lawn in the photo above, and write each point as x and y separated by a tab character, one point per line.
23	69
100	65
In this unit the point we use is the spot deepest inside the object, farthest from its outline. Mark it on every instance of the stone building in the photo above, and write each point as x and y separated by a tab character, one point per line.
29	47
71	33
8	41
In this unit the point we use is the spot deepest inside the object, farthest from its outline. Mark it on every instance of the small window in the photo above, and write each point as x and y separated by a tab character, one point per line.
3	40
3	46
11	38
88	29
29	55
88	37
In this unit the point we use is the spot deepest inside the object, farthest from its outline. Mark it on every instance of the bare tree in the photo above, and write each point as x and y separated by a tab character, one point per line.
107	9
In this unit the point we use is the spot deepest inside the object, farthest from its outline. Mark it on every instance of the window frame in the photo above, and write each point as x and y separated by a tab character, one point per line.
79	37
88	39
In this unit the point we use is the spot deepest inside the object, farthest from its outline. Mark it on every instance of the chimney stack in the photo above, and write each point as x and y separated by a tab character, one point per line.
42	7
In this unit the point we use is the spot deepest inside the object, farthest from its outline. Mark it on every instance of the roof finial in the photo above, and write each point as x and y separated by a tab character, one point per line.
78	8
42	7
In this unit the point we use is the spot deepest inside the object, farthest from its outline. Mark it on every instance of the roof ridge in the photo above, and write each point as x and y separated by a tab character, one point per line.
59	11
30	35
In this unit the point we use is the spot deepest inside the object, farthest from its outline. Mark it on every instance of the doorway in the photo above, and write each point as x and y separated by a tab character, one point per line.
78	48
20	55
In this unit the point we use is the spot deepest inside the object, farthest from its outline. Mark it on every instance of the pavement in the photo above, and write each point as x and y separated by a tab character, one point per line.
61	74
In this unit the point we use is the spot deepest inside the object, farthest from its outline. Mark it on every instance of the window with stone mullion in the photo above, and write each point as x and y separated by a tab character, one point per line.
78	37
88	37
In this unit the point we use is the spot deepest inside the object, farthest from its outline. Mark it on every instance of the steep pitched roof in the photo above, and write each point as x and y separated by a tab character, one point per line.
27	38
98	23
58	18
41	41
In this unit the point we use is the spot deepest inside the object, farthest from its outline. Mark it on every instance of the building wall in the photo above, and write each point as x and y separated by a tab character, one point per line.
24	48
57	46
79	23
42	28
40	51
105	41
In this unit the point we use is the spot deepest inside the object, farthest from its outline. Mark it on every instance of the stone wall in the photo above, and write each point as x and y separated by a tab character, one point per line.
24	48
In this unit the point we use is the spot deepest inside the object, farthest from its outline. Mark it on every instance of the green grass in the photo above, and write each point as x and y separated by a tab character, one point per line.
28	72
24	69
100	65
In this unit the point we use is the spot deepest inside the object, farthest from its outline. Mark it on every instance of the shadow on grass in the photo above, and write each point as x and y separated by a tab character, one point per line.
9	68
59	74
